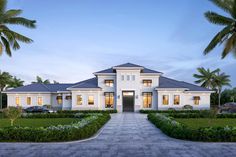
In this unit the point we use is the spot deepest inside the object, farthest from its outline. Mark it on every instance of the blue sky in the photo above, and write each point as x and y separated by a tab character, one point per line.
75	38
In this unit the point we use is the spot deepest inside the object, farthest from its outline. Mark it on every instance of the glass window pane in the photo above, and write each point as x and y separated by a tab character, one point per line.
79	100
176	99
147	100
40	101
17	101
165	100
28	100
59	100
109	100
90	100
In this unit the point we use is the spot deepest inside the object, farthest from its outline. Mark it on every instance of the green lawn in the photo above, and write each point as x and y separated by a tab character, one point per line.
195	123
37	122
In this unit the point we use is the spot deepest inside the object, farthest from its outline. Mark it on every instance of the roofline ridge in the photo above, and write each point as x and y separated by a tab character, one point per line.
174	80
45	86
81	82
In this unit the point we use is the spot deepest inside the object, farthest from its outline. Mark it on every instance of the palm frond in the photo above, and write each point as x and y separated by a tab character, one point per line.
229	46
6	45
20	37
12	13
226	5
218	19
3	4
21	21
1	48
217	39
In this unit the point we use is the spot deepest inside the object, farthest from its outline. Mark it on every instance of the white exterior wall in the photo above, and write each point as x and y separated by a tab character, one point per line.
11	99
186	98
85	95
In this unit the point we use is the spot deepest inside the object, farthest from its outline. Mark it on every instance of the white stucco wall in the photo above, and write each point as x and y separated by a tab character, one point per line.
11	99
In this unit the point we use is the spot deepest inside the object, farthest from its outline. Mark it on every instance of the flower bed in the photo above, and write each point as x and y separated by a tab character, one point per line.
180	131
84	128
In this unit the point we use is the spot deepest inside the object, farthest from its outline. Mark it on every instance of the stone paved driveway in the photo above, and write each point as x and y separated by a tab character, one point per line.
127	134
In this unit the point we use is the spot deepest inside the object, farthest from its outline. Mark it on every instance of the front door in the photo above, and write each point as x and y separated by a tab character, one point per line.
128	101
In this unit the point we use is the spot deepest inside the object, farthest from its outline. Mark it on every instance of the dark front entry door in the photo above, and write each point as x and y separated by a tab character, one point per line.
128	101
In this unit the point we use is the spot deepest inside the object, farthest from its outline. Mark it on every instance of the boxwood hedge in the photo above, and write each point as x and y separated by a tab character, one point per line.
84	128
87	111
180	131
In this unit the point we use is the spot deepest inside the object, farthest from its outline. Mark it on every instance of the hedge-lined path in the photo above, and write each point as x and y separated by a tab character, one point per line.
127	134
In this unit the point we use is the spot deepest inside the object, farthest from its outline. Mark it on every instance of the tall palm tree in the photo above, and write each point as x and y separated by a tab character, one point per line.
5	79
40	80
227	35
15	82
206	77
220	80
8	38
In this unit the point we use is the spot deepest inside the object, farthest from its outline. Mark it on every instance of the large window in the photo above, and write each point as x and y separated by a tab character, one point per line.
147	83
109	99
40	100
109	83
90	100
165	100
59	100
196	100
147	100
18	101
122	77
28	100
79	100
133	77
128	77
176	99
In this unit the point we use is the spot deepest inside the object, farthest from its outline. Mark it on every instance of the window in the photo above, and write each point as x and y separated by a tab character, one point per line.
176	99
122	77
40	100
109	99
59	100
17	101
79	100
68	97
147	83
109	83
133	77
28	100
91	100
128	77
165	100
196	100
147	100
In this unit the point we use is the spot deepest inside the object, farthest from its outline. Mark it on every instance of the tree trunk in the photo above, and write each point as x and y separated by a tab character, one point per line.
0	99
12	122
219	92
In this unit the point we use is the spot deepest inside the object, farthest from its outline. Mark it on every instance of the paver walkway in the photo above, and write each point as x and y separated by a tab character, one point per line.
126	134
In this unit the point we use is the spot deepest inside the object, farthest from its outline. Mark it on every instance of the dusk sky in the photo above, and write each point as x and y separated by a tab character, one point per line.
75	38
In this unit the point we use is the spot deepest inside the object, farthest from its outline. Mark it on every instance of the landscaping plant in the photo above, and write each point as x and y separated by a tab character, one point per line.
13	113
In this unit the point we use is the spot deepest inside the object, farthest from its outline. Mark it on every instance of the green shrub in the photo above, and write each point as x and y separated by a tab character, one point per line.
84	128
170	111
48	115
187	107
87	111
177	130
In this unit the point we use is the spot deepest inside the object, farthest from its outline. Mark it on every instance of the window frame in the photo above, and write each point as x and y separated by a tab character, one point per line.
196	100
17	100
92	99
147	83
168	99
59	99
147	95
178	99
41	100
30	100
79	102
109	83
110	96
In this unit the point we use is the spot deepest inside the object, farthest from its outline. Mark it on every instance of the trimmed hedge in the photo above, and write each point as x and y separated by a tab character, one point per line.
180	131
171	111
47	115
79	130
87	111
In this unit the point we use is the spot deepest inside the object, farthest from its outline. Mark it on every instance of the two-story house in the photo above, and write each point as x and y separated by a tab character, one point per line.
126	87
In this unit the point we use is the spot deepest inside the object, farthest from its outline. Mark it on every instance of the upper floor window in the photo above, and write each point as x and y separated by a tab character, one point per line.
91	100
147	83
128	77
28	100
133	77
147	100
59	100
122	77
165	99
79	100
109	83
40	100
196	100
109	99
17	100
176	99
68	97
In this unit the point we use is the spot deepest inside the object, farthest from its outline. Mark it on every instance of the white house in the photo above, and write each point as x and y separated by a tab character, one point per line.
126	87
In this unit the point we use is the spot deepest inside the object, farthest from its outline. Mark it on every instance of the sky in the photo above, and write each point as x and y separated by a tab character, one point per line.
75	38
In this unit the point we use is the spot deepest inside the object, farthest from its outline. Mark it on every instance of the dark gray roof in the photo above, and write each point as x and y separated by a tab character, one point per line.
38	87
165	82
90	83
144	70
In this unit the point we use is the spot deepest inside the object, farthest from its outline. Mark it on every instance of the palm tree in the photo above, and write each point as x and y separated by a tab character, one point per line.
227	35
220	80
206	77
8	38
40	80
15	82
5	79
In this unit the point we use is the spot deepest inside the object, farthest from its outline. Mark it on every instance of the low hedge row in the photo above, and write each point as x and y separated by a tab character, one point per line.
79	130
170	111
87	111
177	130
47	115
